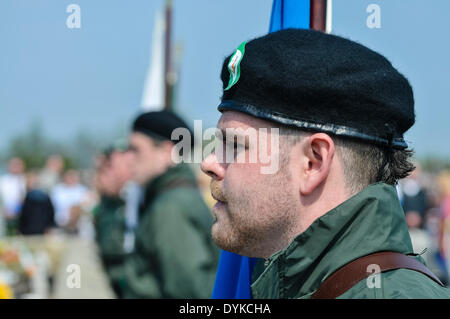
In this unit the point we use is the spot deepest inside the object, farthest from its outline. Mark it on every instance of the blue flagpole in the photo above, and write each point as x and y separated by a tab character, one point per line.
234	273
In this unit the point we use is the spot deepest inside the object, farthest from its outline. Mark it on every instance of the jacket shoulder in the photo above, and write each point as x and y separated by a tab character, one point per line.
184	201
397	284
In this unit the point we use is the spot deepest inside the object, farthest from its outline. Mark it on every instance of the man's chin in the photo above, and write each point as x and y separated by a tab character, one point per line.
223	239
218	236
214	230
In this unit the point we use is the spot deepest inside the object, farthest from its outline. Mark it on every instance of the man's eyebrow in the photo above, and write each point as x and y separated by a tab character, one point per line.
234	137
223	134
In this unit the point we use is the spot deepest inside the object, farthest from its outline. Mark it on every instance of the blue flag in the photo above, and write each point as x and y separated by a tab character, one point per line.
233	277
290	14
234	273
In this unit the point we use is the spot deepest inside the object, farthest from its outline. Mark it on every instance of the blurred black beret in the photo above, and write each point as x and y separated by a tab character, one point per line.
159	125
319	82
119	145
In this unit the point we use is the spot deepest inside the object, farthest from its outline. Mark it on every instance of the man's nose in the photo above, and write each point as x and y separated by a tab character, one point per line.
211	167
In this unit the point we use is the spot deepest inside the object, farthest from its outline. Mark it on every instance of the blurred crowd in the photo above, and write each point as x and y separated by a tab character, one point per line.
149	217
57	199
425	198
39	201
104	204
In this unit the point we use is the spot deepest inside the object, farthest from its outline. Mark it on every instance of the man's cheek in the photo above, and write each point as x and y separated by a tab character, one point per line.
245	174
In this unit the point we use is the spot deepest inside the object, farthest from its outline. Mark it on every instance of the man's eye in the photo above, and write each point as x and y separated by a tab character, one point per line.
233	144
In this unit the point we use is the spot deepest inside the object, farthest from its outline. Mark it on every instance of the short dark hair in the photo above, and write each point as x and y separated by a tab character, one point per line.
364	163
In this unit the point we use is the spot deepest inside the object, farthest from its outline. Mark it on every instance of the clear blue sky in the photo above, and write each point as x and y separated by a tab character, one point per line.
92	78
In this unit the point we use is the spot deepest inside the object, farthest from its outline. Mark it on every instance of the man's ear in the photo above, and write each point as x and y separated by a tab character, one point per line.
318	152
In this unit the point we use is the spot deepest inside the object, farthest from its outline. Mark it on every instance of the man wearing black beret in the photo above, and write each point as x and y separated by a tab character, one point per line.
110	215
174	255
327	223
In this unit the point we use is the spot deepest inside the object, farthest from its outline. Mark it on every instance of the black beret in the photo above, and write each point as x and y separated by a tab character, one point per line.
119	145
159	125
319	82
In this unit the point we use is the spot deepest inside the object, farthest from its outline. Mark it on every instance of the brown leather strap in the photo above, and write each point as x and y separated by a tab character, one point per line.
350	274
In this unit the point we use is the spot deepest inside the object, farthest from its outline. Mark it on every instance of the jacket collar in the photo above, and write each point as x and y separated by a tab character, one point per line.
370	221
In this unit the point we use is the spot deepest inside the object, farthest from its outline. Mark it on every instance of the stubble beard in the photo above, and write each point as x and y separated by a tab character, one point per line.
258	220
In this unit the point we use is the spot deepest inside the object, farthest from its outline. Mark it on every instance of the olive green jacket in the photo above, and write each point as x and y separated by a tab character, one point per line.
372	220
109	222
174	255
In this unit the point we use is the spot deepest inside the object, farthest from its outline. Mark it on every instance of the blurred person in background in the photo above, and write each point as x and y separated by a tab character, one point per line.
50	175
12	193
174	255
67	198
416	204
414	198
37	213
434	257
110	219
444	186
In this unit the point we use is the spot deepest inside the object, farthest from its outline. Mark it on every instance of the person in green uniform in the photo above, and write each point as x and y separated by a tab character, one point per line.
174	255
322	206
112	175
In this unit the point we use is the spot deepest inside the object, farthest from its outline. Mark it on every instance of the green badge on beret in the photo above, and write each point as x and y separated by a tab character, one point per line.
234	66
